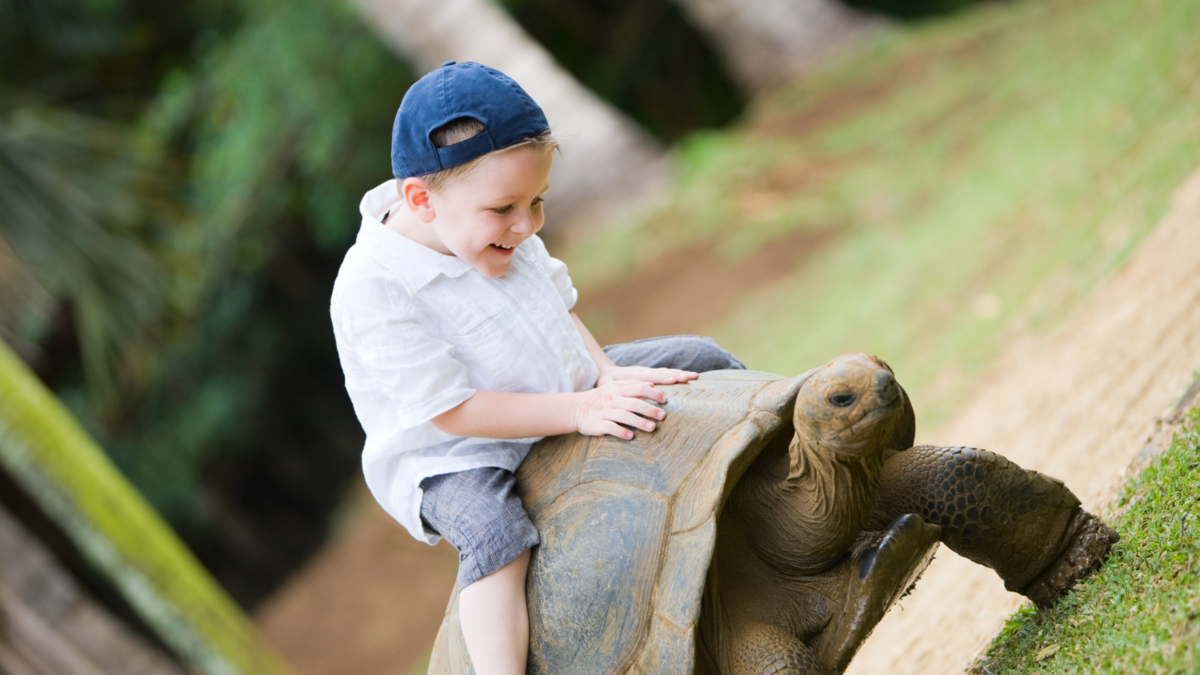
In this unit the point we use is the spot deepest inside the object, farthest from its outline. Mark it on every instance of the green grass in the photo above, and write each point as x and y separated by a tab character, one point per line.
1141	612
982	174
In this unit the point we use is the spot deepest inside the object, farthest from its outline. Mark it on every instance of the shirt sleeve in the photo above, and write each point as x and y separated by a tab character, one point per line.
417	372
557	271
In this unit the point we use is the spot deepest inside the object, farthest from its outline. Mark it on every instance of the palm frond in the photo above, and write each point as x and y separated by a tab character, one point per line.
71	209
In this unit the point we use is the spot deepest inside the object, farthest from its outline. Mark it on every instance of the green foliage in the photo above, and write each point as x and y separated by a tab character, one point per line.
1141	612
978	176
79	211
276	115
177	182
285	122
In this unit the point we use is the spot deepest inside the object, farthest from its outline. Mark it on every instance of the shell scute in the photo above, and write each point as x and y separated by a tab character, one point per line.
700	497
682	585
667	651
662	460
555	469
592	582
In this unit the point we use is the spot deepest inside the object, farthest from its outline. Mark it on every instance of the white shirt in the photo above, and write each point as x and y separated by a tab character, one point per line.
419	332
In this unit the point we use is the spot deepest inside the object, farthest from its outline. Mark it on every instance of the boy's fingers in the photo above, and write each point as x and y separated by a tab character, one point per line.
614	429
670	375
643	390
640	407
630	419
626	383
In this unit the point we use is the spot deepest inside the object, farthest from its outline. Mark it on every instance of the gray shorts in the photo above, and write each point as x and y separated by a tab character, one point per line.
478	511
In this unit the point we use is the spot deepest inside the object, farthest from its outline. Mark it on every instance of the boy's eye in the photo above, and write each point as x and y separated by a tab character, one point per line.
538	201
503	209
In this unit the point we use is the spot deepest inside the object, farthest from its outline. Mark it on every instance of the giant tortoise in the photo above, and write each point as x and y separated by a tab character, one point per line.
766	527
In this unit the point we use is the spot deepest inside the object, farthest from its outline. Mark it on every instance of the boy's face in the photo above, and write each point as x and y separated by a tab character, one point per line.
482	217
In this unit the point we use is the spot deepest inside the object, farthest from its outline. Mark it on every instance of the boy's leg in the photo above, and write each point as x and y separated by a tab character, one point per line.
685	352
479	513
495	620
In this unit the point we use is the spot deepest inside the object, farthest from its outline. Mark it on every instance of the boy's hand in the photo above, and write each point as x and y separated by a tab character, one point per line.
643	374
609	405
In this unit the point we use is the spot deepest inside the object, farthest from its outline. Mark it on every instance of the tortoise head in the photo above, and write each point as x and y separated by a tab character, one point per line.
853	406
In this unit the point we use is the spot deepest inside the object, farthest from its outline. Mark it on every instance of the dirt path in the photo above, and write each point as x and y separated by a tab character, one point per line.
1078	405
369	603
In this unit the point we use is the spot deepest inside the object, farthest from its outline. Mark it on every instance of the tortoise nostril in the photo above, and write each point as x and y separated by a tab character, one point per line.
885	385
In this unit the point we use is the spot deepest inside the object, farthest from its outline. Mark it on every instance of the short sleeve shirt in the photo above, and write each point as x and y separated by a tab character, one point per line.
419	332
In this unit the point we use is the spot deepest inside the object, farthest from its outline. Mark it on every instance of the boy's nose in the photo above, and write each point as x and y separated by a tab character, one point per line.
523	225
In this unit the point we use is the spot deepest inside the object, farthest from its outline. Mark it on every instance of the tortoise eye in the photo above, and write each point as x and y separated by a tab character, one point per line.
842	400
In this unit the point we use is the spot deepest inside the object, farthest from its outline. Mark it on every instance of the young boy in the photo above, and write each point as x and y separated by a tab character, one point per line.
454	330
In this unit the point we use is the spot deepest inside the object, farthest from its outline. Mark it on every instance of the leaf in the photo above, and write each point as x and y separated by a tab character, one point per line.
1046	653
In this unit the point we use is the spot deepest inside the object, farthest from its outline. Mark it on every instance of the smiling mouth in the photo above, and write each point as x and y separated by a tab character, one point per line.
502	247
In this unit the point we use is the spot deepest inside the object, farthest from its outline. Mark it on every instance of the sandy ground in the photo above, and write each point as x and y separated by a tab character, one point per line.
1079	405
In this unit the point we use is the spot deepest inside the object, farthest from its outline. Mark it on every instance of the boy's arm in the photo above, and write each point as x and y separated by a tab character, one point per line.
599	411
611	372
616	400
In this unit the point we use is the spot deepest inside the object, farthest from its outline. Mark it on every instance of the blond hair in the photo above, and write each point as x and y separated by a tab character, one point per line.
463	128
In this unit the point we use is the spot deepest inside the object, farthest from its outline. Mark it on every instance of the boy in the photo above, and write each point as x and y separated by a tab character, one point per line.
454	330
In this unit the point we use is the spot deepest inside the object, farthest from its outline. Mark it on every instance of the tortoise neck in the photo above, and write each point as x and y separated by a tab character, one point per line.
808	505
823	483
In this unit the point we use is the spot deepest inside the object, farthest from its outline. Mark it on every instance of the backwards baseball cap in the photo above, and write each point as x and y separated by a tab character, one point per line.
455	90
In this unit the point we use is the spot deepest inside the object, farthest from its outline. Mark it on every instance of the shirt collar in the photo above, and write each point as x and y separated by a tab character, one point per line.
415	264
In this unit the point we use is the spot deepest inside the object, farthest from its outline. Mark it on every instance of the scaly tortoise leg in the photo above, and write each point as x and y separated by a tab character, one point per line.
761	649
1025	525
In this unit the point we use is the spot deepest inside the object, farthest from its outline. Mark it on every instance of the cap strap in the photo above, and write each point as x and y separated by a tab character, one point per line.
465	151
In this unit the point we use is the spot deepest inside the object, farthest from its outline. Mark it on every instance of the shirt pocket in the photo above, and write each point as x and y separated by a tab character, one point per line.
478	322
458	309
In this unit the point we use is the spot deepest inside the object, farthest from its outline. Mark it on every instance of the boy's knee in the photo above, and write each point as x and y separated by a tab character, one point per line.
707	355
686	352
480	514
701	354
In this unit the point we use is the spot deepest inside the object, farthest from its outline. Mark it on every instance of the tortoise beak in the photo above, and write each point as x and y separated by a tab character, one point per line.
886	388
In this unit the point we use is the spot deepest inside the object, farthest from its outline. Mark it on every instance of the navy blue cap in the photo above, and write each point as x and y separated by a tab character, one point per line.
456	90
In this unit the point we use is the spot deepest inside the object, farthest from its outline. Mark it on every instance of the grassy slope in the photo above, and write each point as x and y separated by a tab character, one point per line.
983	174
1141	612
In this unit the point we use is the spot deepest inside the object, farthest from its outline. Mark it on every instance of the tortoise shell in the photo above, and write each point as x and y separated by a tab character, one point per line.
628	529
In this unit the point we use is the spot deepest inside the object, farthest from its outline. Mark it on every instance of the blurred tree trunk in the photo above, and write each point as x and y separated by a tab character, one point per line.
607	161
62	470
765	42
49	623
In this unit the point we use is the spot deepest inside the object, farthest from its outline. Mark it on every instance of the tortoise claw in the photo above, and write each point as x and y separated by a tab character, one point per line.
879	575
1089	541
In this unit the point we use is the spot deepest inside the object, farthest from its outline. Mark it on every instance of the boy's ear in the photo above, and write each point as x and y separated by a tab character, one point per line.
416	196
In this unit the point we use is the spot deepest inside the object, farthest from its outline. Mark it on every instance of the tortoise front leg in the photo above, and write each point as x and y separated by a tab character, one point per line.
1025	525
881	568
763	649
